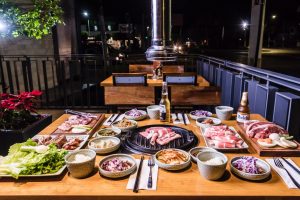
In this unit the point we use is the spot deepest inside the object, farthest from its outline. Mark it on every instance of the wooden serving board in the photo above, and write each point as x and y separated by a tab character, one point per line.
269	152
94	124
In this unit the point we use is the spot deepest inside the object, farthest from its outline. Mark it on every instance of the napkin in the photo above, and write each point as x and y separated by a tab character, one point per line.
144	177
180	119
106	123
282	173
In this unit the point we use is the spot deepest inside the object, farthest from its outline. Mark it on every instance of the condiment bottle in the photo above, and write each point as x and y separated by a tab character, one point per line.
243	112
165	106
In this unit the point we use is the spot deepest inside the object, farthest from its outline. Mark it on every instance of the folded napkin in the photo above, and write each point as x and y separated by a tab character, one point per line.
144	177
106	123
282	173
180	119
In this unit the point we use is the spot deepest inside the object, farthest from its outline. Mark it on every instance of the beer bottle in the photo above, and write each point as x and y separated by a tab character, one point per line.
243	112
165	106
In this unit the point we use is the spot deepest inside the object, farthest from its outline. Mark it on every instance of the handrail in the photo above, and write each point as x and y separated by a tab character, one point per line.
267	75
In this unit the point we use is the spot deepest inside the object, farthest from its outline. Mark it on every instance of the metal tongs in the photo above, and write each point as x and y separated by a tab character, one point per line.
82	114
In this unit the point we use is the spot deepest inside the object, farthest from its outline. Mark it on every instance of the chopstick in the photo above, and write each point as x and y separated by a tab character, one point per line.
183	117
115	118
137	179
110	118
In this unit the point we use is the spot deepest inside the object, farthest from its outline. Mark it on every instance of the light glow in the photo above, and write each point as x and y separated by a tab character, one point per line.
3	26
85	13
244	25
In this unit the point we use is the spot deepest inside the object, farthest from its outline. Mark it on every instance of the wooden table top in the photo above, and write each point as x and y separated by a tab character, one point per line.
171	185
152	83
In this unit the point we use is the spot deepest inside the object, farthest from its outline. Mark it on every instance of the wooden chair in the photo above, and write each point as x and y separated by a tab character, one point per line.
189	78
129	79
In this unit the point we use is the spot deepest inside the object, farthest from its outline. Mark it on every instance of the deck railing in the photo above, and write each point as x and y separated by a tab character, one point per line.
273	95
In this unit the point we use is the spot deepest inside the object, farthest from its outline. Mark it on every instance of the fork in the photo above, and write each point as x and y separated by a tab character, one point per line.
280	165
150	164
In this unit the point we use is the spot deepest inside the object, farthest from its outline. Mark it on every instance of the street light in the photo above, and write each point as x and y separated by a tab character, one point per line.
245	26
274	16
86	14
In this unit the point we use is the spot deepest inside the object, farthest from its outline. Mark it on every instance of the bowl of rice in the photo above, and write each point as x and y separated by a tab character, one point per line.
211	165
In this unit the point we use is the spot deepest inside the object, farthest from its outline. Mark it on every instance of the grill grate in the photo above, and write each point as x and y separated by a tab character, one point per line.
139	144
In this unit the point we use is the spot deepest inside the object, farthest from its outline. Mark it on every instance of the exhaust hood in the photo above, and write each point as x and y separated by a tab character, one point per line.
161	49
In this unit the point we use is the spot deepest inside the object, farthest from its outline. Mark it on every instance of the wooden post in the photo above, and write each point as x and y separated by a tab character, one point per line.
256	32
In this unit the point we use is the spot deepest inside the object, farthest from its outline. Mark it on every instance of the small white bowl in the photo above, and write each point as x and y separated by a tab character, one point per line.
211	172
253	177
116	130
153	111
171	167
118	174
116	140
125	129
193	116
216	122
144	116
80	169
196	150
224	112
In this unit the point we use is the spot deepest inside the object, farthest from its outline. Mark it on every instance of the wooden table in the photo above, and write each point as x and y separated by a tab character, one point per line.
187	184
202	93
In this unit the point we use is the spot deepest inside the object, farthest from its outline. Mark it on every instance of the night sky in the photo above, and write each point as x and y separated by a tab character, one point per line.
200	18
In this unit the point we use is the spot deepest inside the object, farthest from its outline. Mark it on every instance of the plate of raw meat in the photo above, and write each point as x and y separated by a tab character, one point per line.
153	138
224	138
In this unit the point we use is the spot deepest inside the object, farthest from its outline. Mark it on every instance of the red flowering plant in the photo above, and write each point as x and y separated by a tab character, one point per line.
18	111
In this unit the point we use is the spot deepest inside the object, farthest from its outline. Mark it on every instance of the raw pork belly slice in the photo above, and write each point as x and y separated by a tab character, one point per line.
263	130
223	137
160	135
74	120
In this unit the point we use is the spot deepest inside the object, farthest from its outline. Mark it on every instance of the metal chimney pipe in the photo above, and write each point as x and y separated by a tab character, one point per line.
160	49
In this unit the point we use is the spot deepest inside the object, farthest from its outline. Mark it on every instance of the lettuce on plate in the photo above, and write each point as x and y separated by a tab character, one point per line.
27	159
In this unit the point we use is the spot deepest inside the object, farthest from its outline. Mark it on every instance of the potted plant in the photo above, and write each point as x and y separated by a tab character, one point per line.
19	119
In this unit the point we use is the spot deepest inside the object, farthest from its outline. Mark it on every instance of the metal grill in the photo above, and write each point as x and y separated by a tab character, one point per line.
137	143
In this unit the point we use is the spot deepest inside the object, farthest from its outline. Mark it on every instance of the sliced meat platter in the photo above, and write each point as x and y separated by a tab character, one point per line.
224	138
78	124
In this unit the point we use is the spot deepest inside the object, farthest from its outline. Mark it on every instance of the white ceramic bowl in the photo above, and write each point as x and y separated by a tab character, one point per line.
171	167
81	169
116	140
125	129
118	174
116	130
253	177
216	122
144	116
224	112
153	111
211	172
193	116
196	150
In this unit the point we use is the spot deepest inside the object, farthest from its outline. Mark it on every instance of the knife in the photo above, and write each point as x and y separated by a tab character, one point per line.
138	175
290	164
115	119
183	117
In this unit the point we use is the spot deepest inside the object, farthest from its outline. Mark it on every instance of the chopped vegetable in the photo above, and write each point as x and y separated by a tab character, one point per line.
134	113
248	164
